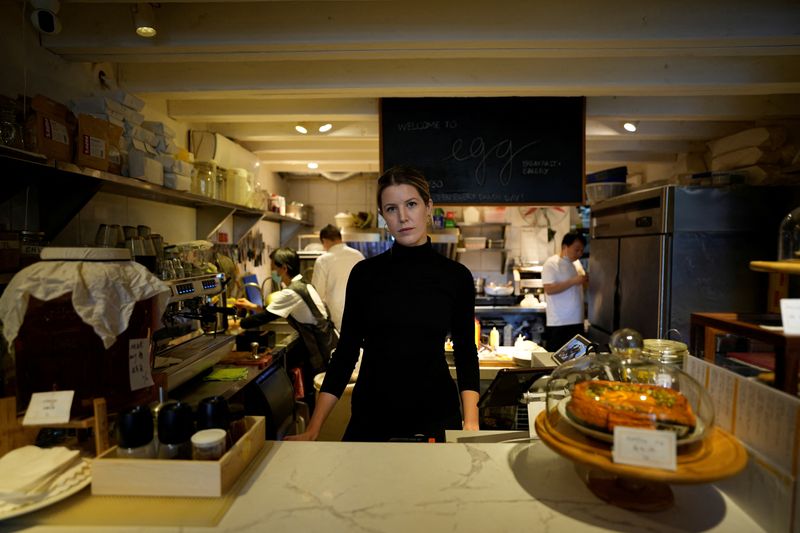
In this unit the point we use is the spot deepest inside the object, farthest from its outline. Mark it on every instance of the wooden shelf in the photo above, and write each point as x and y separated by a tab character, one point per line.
705	326
779	267
65	188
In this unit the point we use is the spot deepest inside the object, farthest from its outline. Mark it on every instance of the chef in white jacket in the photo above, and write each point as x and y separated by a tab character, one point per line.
332	269
564	280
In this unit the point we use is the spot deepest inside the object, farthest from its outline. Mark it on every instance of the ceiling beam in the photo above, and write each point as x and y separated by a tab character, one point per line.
273	110
672	76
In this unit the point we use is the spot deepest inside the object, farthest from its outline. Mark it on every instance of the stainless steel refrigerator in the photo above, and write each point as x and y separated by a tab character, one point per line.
660	254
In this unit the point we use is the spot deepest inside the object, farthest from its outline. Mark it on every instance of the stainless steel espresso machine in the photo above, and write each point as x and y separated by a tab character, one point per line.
193	338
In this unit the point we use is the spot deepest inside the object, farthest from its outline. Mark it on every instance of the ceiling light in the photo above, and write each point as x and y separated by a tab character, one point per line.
301	129
313	166
325	128
144	20
631	126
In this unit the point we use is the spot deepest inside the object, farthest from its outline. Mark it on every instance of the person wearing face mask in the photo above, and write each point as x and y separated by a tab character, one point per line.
563	280
300	304
399	308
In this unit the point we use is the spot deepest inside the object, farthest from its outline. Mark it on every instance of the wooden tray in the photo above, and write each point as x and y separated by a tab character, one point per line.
175	477
719	455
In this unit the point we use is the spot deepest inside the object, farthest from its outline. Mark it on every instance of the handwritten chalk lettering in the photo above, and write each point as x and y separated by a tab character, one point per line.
451	124
436	184
420	125
503	151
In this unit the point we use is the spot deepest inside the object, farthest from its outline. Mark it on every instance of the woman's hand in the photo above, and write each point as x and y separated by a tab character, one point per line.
244	303
306	435
471	426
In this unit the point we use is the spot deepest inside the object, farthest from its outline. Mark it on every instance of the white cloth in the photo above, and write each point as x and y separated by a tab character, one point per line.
331	272
24	470
566	307
286	302
103	293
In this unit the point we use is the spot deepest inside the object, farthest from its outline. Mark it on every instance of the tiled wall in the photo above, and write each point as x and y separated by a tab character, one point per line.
329	197
174	223
358	194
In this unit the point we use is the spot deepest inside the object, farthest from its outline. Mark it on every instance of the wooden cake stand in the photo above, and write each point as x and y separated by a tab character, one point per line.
717	456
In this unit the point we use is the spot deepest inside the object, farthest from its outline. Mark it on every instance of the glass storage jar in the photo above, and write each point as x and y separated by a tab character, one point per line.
30	247
221	185
789	237
206	179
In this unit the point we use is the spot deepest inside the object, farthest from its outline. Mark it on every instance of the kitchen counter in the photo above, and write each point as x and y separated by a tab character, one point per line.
479	309
196	389
468	486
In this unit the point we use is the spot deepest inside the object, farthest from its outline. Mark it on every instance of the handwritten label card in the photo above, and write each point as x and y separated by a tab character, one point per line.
645	447
139	363
790	315
49	408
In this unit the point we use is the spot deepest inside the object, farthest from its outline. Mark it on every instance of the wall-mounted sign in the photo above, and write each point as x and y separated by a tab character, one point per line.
508	150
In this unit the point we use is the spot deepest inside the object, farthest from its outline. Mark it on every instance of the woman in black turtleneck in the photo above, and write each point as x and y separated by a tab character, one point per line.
399	308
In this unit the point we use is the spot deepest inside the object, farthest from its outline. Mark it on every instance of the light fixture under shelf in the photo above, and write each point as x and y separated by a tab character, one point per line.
144	20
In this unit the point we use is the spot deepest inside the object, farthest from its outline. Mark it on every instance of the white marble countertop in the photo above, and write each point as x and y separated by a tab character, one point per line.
466	487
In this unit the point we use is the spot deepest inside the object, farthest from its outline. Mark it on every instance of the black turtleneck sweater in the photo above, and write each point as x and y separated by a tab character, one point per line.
400	307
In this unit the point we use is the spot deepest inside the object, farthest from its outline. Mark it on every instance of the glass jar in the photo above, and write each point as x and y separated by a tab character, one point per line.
30	247
789	237
206	178
222	185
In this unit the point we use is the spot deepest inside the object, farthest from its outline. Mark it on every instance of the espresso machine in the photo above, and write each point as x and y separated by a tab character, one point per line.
193	337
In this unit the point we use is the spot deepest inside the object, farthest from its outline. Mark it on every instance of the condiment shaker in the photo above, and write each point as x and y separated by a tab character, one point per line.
135	434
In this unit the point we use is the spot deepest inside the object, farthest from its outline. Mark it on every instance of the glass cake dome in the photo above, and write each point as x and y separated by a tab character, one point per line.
599	391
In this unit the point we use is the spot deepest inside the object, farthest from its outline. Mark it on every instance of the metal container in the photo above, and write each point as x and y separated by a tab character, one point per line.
665	351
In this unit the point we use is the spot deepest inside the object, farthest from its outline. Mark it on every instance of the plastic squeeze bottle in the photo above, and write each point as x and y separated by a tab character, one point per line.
494	338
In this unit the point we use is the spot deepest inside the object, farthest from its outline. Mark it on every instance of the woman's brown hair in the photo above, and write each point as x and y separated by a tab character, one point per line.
403	175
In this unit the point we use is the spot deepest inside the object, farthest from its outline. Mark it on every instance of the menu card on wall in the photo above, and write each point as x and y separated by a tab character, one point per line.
766	419
722	388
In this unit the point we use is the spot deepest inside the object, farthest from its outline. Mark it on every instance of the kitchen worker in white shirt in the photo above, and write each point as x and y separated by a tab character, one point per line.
563	279
332	269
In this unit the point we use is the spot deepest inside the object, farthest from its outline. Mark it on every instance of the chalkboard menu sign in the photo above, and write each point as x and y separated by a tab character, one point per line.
508	150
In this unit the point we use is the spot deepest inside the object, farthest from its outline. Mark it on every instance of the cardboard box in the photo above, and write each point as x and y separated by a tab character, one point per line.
50	129
91	143
175	477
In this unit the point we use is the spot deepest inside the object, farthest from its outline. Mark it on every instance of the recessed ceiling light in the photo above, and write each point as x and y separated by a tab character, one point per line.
631	126
301	129
313	165
325	128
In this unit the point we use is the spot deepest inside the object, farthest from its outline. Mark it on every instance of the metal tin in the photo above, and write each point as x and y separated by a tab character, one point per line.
665	351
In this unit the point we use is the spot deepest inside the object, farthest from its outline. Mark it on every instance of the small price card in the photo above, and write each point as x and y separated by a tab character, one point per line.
645	447
49	408
139	363
790	315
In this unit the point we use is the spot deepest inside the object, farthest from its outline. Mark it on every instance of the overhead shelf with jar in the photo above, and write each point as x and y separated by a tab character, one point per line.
58	191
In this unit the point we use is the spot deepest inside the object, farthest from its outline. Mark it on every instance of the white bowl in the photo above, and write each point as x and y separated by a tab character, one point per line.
498	290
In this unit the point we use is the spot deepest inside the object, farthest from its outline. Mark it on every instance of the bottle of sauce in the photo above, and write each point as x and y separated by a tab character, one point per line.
494	338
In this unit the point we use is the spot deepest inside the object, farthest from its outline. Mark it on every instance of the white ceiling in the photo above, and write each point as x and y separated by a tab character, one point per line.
687	71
